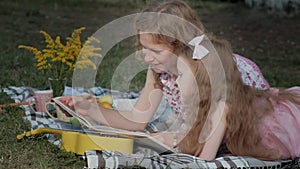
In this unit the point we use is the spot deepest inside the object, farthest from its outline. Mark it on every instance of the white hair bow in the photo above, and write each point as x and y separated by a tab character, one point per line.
199	50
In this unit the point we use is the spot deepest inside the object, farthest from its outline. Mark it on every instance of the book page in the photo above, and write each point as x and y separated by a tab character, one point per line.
91	124
82	120
140	138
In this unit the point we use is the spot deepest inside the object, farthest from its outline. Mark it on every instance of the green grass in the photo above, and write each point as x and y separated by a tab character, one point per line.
21	22
31	152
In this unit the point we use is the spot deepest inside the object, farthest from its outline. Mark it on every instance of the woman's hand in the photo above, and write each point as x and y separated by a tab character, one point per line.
67	100
81	104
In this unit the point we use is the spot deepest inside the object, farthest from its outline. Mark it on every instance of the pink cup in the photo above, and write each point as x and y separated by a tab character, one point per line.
41	98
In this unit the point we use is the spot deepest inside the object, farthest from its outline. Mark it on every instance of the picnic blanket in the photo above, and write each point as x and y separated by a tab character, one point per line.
139	159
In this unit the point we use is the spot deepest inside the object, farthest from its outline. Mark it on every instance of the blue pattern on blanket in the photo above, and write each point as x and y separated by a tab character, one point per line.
109	159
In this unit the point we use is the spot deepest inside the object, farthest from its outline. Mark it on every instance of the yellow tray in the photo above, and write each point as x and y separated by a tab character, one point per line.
78	142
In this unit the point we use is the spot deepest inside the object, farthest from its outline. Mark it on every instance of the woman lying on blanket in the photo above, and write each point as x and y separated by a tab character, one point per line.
198	76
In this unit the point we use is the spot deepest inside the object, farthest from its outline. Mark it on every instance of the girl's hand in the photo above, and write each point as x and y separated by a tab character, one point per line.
81	104
67	100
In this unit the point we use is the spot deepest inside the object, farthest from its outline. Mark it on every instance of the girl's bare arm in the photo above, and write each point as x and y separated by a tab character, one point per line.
136	119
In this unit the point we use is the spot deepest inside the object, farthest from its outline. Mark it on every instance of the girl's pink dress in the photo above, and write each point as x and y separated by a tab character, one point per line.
281	129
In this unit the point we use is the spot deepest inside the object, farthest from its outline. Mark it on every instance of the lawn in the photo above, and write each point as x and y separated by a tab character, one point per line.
272	42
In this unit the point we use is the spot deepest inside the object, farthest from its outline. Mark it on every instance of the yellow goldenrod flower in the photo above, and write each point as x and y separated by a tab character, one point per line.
59	60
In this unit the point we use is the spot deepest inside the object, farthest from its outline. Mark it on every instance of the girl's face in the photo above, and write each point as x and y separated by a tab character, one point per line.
160	57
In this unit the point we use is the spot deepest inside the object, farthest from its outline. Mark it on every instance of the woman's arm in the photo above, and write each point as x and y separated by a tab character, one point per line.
190	107
136	119
214	140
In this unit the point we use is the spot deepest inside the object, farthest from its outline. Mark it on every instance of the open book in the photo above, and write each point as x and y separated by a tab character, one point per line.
140	138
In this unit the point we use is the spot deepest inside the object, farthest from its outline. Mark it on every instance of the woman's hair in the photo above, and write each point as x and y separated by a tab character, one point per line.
217	77
246	106
170	22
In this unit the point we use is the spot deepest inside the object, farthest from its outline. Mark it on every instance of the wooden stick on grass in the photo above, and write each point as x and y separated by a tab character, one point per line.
14	104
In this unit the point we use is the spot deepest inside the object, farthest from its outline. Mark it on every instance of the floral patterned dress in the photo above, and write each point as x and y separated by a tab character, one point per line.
250	73
170	107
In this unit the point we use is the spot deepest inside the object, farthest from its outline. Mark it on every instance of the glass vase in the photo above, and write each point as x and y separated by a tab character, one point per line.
57	86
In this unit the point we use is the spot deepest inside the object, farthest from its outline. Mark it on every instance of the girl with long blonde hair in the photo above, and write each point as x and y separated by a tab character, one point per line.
199	77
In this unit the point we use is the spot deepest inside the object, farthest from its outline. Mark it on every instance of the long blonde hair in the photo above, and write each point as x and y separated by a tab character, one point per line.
164	26
242	137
